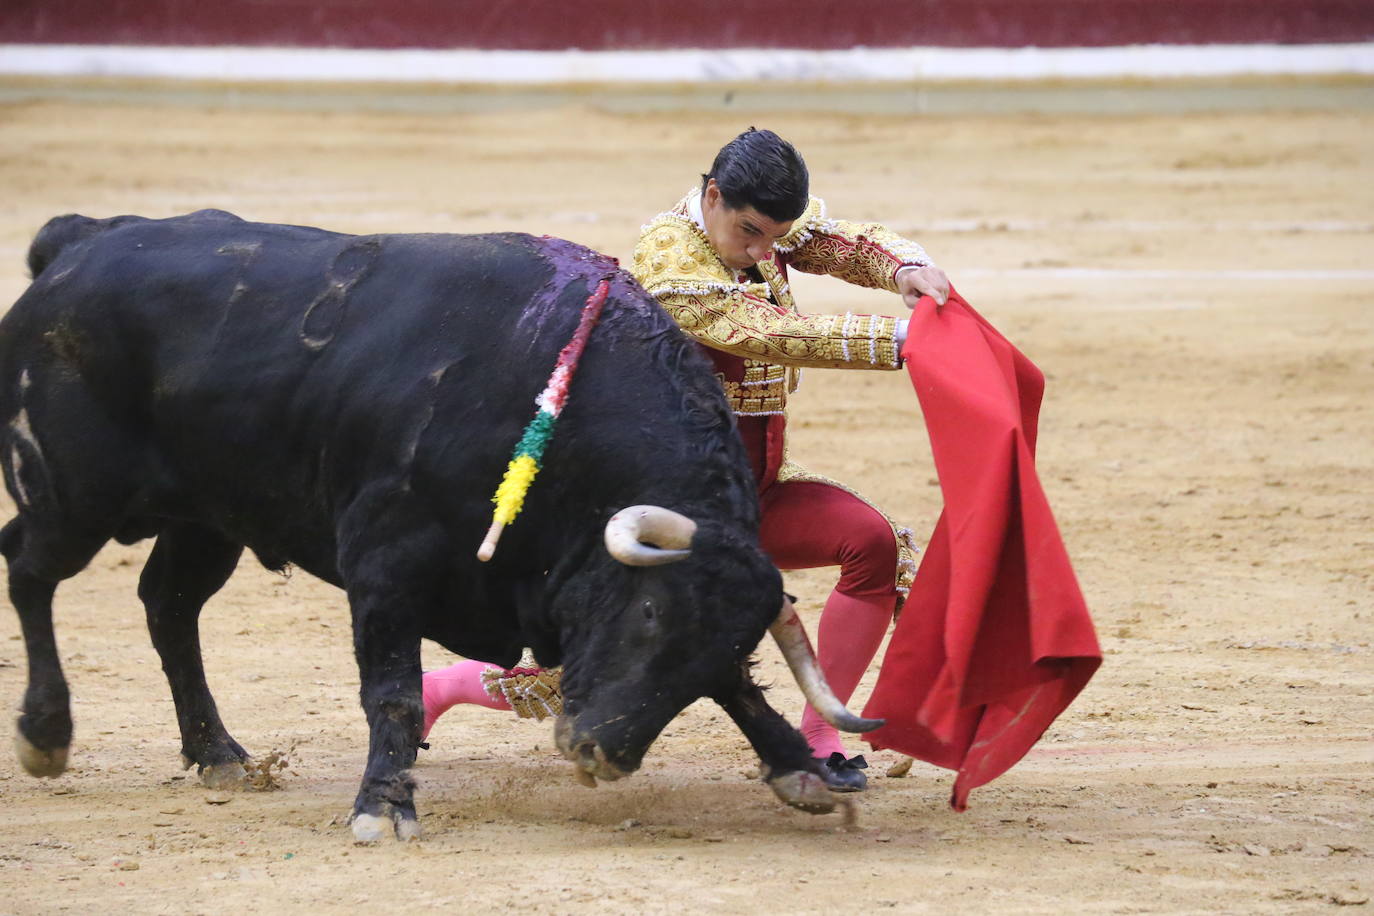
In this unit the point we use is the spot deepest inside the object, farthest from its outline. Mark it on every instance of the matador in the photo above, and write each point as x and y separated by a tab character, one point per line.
718	262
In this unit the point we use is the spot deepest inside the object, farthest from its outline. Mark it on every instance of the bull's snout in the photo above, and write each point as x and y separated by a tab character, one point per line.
587	755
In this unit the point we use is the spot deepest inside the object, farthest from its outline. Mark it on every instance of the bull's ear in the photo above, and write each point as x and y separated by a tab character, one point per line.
649	536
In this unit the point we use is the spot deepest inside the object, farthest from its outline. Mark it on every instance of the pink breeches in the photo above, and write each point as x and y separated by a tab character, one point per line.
807	525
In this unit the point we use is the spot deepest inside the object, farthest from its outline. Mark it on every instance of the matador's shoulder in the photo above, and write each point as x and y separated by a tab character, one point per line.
674	256
867	254
812	221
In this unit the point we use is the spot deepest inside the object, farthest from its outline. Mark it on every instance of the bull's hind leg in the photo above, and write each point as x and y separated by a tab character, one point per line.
44	732
188	564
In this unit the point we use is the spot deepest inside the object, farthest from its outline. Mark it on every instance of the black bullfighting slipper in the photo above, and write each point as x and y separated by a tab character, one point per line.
844	775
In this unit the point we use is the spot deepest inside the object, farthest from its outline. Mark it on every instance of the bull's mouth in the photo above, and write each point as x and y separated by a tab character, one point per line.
588	757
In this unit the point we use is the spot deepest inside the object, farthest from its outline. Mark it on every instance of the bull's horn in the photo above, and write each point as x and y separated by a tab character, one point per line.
796	648
649	536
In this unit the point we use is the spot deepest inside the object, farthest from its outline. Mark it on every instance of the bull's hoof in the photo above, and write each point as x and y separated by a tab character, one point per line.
804	790
39	762
371	828
229	775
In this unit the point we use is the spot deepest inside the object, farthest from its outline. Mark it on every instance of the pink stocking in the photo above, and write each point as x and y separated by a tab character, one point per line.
850	631
460	683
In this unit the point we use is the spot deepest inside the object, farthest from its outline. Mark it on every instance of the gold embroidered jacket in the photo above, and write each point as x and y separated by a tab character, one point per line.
759	322
759	341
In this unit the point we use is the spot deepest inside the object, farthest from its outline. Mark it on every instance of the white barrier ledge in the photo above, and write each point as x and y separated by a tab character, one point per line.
888	65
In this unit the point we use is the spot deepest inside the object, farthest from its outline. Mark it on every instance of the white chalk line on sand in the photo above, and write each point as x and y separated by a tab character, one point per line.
1150	273
772	65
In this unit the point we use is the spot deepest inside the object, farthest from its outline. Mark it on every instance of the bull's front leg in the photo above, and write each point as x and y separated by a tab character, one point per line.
784	756
387	598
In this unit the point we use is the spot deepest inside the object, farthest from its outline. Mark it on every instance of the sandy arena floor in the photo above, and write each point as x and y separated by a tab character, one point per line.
1199	289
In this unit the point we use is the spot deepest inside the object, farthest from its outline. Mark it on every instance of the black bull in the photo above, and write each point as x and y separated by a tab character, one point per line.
347	404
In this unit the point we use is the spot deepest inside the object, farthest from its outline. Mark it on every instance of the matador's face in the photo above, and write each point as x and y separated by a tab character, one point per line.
741	237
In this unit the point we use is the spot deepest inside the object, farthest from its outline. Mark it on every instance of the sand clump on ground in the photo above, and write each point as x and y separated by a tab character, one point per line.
1198	290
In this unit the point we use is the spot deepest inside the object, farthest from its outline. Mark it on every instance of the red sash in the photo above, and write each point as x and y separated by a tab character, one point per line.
763	436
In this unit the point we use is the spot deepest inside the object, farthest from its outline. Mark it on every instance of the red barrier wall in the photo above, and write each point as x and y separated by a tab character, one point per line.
658	24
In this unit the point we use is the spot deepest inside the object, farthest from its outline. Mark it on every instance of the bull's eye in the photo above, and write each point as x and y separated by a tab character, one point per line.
648	608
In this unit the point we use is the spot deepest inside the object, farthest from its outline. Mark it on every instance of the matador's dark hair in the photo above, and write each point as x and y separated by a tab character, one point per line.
759	169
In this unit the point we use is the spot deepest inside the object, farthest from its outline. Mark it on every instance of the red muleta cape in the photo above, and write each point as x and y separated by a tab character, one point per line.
994	640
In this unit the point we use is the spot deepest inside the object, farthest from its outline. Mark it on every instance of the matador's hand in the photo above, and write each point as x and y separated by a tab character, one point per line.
915	282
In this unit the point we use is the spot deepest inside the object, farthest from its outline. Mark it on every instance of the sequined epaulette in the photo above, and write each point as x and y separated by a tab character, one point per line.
673	256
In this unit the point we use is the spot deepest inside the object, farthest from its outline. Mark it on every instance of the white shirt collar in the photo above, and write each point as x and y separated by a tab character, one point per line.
694	208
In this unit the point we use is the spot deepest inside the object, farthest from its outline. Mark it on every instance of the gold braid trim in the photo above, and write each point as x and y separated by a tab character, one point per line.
803	228
532	692
907	551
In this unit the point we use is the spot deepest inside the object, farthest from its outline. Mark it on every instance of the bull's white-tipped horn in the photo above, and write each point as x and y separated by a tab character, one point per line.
796	648
649	536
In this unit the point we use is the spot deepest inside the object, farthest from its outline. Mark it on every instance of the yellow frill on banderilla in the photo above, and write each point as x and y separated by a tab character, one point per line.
510	495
